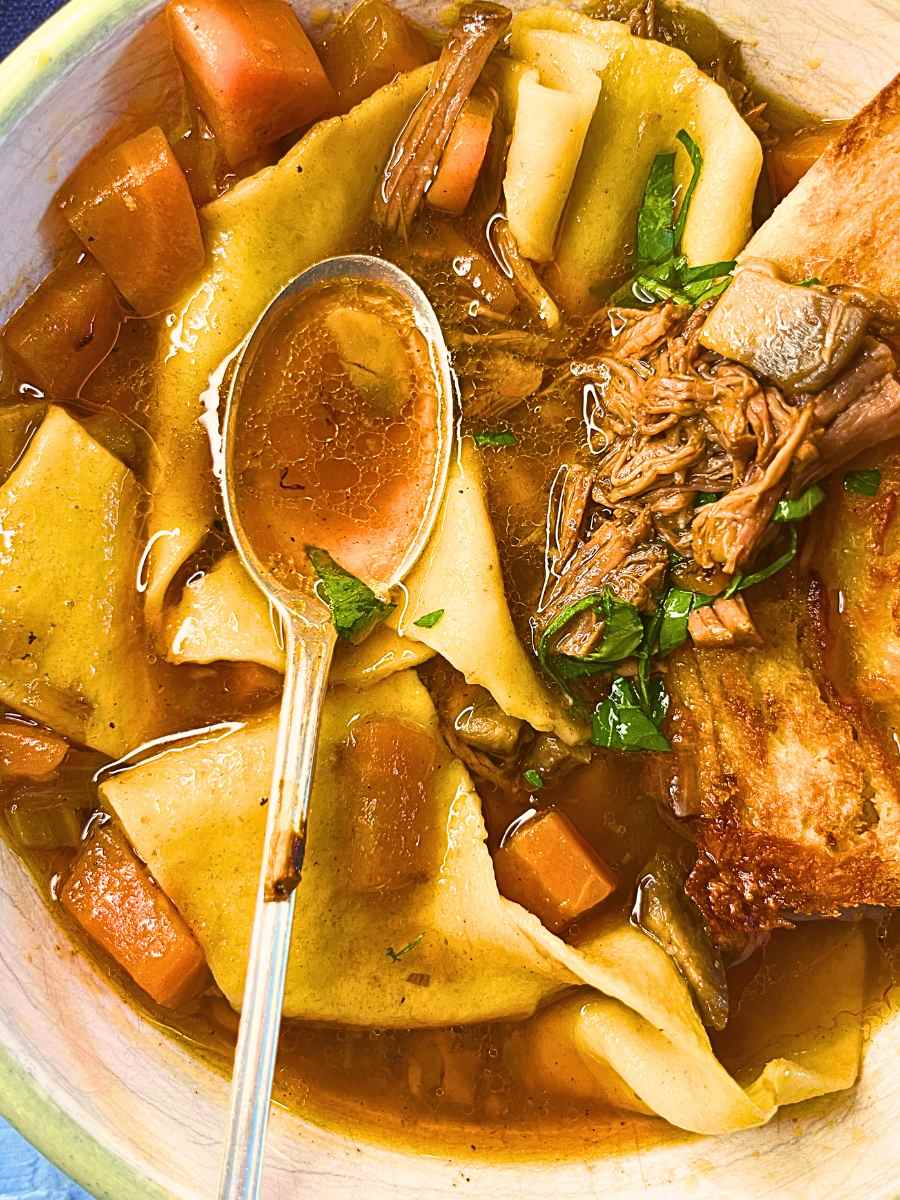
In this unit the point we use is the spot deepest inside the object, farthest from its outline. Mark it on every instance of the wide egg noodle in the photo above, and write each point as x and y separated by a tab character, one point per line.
615	1021
460	573
648	93
259	236
223	617
641	1046
72	650
552	107
196	817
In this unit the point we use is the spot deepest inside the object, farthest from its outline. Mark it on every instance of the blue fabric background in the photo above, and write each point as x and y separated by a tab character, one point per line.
24	1174
19	17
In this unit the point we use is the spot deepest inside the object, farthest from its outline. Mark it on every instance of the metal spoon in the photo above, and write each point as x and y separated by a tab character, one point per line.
309	637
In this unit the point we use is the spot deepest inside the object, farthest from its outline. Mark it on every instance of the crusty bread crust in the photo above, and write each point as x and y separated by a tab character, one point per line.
799	796
841	223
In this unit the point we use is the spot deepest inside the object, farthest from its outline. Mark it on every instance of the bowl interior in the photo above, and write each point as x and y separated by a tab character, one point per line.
93	1082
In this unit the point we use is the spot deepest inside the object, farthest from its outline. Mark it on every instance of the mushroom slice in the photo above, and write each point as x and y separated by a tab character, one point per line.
798	337
665	913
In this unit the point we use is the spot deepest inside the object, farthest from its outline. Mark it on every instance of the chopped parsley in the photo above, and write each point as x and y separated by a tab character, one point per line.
797	510
396	955
704	498
863	483
661	270
496	438
677	606
430	619
355	609
533	778
622	722
623	632
741	582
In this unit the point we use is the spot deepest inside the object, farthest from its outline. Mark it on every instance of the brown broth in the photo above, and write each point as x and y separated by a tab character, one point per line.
440	1090
336	435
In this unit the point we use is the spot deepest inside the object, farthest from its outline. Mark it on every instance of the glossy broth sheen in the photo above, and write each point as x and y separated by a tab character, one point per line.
327	457
336	433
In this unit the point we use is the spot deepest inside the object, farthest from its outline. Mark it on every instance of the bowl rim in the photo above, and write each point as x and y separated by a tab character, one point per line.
27	74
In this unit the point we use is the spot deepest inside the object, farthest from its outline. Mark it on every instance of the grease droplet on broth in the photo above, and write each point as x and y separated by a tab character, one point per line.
336	437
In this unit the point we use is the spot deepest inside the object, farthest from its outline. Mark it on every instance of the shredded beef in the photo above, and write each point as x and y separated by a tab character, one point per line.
418	149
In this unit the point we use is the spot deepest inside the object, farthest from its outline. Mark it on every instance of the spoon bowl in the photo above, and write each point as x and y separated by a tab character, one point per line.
309	637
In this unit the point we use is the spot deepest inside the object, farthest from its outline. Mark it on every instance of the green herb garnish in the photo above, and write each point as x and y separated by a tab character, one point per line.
740	582
355	609
430	619
864	483
661	271
621	723
396	955
797	510
813	281
498	438
655	228
677	606
704	498
533	778
622	635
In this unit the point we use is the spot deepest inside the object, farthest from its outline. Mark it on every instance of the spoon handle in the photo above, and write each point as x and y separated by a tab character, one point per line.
308	650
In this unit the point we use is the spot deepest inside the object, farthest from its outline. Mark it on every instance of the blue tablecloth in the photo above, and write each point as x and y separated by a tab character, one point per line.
19	17
24	1174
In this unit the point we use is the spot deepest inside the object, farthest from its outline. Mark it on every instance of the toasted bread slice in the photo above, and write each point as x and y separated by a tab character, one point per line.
841	223
798	794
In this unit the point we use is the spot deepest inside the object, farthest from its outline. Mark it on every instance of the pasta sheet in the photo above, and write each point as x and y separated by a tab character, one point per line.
614	1018
259	237
72	650
648	92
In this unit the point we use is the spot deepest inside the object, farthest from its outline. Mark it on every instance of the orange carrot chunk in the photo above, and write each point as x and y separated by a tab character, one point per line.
371	46
452	187
111	895
387	769
64	330
790	159
251	69
132	208
27	751
549	868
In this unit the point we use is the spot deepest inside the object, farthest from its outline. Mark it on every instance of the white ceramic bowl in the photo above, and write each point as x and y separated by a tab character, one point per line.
89	1079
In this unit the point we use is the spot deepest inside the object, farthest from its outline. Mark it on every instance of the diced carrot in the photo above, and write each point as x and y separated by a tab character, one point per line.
790	159
251	69
452	187
111	895
246	682
132	208
27	751
66	328
388	767
371	46
549	868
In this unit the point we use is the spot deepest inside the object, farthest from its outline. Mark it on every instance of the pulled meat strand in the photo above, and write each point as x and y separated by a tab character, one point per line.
728	531
592	564
523	275
494	382
417	151
875	361
873	419
573	505
724	623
